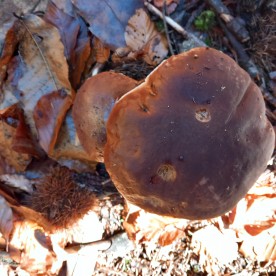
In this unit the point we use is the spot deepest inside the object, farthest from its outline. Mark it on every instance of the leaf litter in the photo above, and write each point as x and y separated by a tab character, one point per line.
40	68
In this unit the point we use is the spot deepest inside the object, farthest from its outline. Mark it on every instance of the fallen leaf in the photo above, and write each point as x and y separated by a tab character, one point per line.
65	24
26	249
68	151
8	39
45	67
17	181
108	18
102	52
260	247
48	115
214	248
16	160
77	45
6	218
142	37
143	226
80	60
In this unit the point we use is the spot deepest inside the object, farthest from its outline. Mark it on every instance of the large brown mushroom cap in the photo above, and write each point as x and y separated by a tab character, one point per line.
92	106
192	139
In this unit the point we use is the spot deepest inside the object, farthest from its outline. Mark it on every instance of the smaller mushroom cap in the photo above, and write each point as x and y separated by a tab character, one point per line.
192	139
92	106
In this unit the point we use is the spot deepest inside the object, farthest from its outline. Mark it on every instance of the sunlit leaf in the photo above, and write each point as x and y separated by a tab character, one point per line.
142	36
214	247
17	181
16	160
45	66
6	218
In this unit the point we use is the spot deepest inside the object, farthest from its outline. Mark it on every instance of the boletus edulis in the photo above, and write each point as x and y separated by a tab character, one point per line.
92	106
191	140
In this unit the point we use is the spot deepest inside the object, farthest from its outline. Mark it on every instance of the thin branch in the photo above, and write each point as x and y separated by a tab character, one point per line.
166	27
175	25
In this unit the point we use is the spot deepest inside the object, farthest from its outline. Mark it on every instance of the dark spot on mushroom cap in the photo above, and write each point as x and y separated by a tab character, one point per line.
92	106
216	168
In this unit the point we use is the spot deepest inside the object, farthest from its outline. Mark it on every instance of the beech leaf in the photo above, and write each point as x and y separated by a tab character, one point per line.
46	68
17	160
108	18
141	35
6	218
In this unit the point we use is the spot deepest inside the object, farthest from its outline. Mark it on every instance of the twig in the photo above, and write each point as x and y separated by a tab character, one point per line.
166	27
244	59
174	25
232	23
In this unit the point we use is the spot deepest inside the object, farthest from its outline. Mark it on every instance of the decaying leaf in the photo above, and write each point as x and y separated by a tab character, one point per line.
66	24
108	18
45	67
6	54
68	150
142	37
254	220
215	248
17	181
48	114
102	52
31	247
261	247
76	45
143	226
16	160
6	218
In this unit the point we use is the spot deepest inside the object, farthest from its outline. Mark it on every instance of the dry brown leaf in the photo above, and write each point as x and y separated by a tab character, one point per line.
48	115
77	45
68	151
16	160
17	181
66	24
45	67
108	18
215	248
8	41
142	37
31	247
143	226
101	52
6	218
261	247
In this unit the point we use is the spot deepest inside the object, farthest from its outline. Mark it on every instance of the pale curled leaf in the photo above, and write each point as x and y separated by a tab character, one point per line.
6	218
261	247
31	248
214	247
17	181
141	35
141	225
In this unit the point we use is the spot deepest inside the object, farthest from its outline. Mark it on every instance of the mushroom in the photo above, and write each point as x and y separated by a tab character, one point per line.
192	139
92	106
